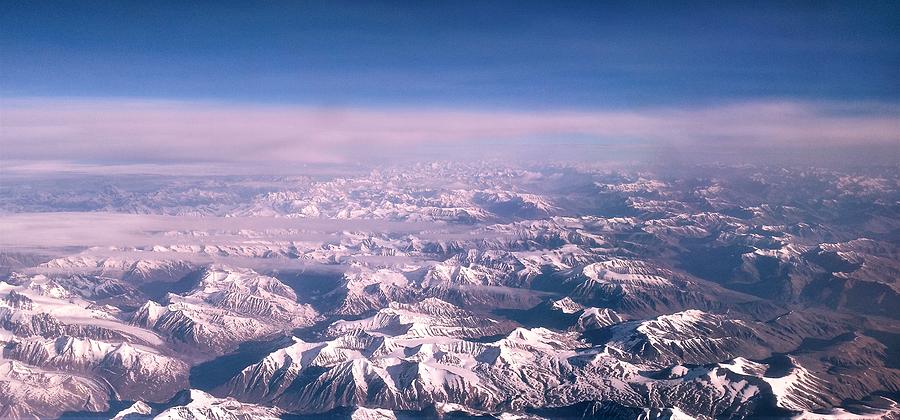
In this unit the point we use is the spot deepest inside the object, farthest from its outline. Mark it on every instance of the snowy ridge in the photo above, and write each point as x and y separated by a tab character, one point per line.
686	337
226	307
560	290
430	317
592	318
138	270
38	306
799	390
131	370
401	372
27	392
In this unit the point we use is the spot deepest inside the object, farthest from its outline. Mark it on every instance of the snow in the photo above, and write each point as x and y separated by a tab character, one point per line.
677	414
137	409
744	366
567	306
424	349
206	407
73	310
363	413
626	273
794	390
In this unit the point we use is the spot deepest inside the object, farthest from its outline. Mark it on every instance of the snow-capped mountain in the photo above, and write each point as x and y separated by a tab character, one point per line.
467	290
226	307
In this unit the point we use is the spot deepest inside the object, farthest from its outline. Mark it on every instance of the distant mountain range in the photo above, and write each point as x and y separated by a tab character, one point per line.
455	291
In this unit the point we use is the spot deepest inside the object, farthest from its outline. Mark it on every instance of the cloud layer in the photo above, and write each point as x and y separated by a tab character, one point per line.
68	229
170	131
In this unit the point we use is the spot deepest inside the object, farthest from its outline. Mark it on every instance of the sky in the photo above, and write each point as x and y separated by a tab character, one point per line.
333	81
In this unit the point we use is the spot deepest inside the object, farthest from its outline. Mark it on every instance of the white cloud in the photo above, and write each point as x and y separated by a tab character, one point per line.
171	131
66	229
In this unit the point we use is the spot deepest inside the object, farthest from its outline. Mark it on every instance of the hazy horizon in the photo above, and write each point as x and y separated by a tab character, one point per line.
383	210
325	82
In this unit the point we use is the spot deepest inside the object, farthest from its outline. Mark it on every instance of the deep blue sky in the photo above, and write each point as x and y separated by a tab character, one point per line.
516	54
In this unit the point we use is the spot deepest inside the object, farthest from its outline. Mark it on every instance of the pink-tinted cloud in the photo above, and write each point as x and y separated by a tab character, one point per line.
146	130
